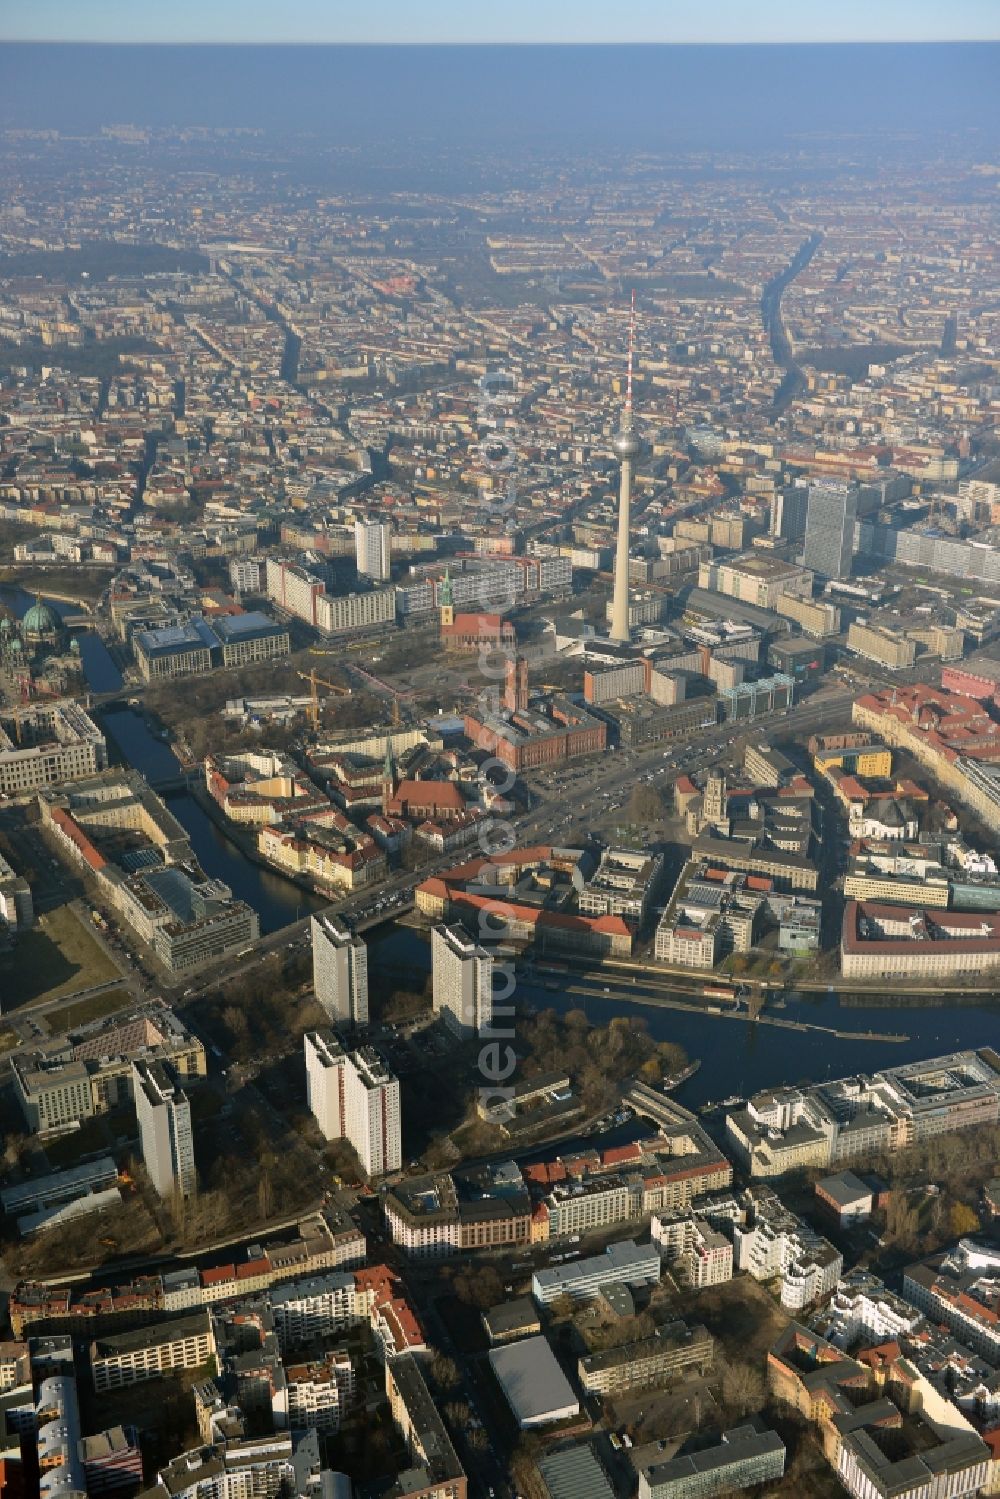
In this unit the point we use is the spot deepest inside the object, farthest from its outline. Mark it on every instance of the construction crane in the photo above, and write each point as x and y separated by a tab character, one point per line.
315	682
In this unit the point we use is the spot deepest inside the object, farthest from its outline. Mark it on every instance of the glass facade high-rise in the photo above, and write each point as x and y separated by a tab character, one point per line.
788	513
830	517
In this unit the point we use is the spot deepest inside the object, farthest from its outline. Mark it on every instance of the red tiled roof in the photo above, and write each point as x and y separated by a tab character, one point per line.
617	1154
992	1440
218	1275
251	1268
975	942
881	1353
468	624
429	794
73	831
608	925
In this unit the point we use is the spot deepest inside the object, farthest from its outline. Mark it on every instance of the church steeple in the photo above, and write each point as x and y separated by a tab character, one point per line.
388	778
446	600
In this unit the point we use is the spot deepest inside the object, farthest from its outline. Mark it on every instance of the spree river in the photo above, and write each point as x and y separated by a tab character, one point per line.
276	900
740	1056
737	1056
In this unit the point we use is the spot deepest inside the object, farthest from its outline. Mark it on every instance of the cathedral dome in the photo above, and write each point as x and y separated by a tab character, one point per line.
40	620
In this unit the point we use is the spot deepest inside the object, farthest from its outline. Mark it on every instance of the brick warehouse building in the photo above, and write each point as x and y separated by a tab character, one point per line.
540	735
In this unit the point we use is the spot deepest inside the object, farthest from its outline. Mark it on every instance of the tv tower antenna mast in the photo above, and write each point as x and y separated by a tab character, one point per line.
631	352
627	447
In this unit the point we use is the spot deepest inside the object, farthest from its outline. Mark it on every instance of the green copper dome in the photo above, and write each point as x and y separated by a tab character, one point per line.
40	620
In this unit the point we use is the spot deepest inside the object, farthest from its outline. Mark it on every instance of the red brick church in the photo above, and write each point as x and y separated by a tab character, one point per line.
471	632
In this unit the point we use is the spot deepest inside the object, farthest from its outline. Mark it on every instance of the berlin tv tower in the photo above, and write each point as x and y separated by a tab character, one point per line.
627	447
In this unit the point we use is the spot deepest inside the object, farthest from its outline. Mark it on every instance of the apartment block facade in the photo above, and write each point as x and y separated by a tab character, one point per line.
354	1096
340	971
462	981
147	1352
164	1118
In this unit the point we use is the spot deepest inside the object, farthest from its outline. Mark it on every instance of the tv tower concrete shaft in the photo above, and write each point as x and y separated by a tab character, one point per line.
627	448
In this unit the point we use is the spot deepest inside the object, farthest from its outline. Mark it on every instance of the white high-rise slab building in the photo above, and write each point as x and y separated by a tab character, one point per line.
373	549
463	980
164	1117
353	1096
340	971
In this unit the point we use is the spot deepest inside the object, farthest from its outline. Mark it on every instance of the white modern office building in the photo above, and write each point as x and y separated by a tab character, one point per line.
340	971
622	1264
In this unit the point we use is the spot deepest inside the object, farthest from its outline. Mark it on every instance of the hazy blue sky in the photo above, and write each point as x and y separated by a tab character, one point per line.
508	20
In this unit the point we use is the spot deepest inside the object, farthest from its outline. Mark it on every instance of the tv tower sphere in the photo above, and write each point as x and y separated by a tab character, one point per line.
626	444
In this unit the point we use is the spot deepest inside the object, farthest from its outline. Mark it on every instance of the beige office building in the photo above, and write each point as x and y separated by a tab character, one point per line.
756	579
877	643
46	745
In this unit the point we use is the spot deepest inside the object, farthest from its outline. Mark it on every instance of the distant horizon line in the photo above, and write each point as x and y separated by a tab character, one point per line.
955	41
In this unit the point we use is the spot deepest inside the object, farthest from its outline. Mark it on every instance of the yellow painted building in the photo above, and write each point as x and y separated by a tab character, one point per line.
874	763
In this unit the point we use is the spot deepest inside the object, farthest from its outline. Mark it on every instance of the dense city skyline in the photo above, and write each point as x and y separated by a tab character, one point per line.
499	759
